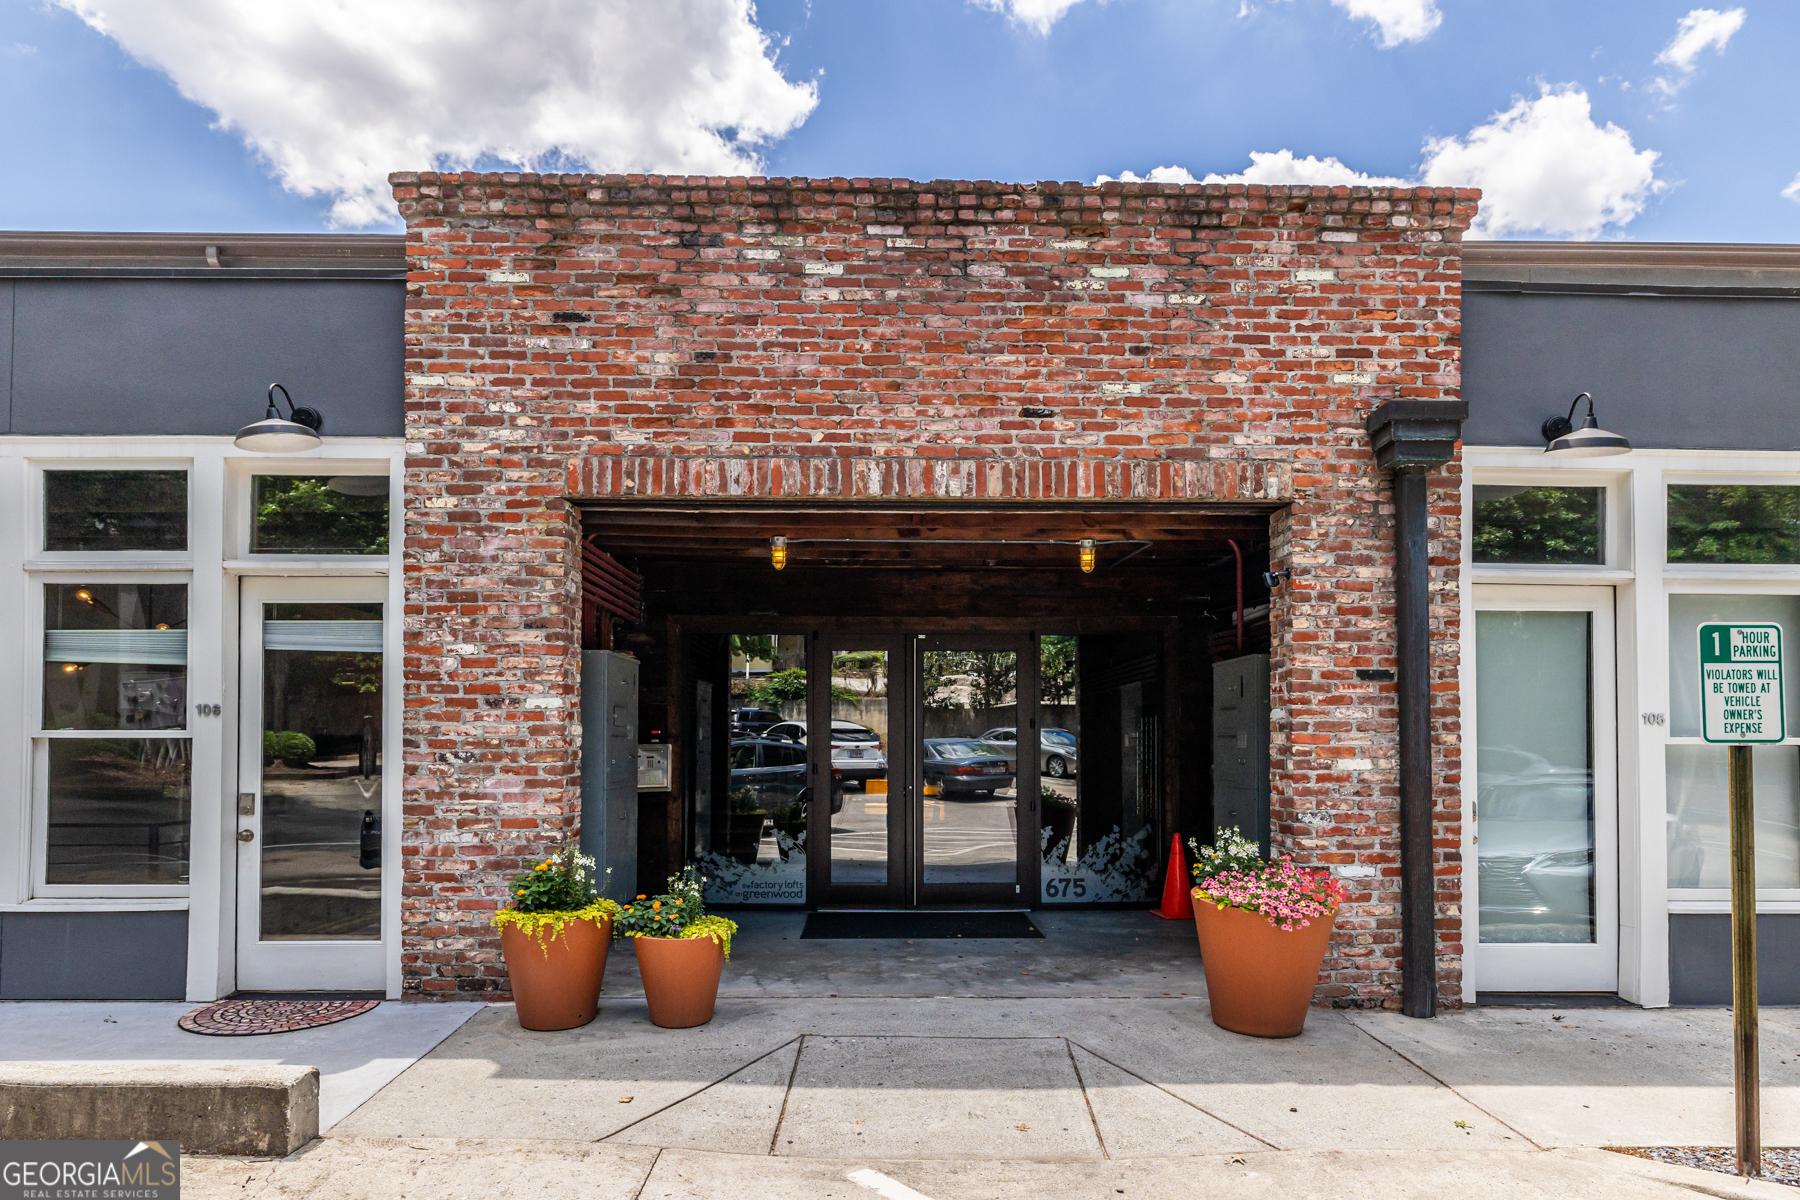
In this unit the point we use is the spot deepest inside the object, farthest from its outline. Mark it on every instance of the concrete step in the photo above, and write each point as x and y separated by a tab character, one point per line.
246	1109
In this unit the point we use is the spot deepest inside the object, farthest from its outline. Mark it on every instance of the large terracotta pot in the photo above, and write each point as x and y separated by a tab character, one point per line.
1259	978
556	978
681	978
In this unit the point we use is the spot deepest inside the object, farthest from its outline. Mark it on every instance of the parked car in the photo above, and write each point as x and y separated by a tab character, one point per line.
750	722
856	755
965	767
1056	756
773	772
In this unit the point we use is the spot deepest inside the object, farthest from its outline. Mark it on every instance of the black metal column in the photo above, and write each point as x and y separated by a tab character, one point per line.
1411	438
1412	637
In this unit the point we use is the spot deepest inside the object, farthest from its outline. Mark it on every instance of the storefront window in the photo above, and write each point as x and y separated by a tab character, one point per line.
116	803
1544	525
319	514
1734	524
115	510
752	848
1699	835
1098	769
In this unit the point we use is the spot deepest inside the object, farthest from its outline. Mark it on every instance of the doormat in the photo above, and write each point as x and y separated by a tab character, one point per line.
1550	1000
246	1018
906	926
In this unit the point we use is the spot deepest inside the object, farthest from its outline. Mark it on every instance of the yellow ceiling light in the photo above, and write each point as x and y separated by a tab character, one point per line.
778	552
1089	555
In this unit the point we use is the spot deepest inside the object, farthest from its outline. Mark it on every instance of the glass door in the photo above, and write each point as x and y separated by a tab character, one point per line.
1545	811
311	792
860	786
976	766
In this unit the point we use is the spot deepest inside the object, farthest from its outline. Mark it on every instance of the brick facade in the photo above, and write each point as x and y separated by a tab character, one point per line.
640	335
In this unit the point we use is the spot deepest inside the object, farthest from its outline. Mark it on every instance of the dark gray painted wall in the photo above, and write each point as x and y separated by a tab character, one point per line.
93	956
1701	373
195	357
1700	958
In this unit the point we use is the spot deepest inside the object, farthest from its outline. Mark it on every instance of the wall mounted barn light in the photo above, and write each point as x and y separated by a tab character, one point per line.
1590	441
275	434
778	552
1089	555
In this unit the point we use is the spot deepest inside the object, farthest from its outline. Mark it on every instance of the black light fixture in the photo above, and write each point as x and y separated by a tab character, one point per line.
1590	441
275	434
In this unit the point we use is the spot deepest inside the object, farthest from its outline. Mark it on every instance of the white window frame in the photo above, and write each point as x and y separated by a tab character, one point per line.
240	488
107	560
1637	566
38	757
218	506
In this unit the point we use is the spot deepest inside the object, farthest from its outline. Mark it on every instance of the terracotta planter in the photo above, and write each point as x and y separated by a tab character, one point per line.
1259	978
681	978
556	978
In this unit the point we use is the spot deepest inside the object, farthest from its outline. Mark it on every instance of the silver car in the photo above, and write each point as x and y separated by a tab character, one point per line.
856	755
1056	757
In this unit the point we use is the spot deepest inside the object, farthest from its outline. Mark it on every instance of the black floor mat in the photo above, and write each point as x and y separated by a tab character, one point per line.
1551	1000
910	925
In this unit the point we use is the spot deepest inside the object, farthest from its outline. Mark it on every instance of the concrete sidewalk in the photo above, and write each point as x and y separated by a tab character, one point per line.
1085	1064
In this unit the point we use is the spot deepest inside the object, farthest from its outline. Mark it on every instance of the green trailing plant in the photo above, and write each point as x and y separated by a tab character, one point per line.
1055	799
1231	852
287	744
677	913
556	891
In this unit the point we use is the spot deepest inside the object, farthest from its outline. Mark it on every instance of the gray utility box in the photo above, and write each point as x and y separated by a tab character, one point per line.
1240	726
609	769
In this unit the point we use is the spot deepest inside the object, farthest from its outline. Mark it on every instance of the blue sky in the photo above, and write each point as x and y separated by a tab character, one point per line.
98	134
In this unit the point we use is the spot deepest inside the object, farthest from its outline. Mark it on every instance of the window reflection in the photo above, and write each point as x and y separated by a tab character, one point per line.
321	772
118	811
970	823
115	656
319	514
115	510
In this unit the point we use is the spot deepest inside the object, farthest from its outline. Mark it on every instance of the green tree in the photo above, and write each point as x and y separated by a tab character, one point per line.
1056	668
1737	524
1537	525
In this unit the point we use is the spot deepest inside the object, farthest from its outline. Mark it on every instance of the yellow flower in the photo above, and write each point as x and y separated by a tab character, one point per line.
541	866
520	892
656	906
642	897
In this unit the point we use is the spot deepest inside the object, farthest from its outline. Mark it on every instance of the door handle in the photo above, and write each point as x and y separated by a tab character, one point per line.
246	835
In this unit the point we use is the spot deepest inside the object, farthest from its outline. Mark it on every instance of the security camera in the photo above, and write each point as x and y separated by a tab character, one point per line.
1272	579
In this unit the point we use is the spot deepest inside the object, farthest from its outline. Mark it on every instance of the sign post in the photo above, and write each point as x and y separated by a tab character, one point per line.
1741	705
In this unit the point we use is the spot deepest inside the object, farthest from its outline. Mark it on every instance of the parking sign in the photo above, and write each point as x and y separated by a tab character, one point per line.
1740	683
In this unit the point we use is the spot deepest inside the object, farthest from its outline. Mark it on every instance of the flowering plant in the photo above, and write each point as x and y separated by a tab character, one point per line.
557	890
1289	895
1232	852
677	913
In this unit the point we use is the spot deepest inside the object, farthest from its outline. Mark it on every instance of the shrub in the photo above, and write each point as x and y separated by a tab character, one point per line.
554	892
288	745
677	913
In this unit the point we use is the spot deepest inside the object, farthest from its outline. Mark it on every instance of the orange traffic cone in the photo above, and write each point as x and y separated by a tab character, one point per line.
1178	903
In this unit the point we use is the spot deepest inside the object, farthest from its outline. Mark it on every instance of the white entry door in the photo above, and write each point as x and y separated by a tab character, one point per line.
1546	804
311	786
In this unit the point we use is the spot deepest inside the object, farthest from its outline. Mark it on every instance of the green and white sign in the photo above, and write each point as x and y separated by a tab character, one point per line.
1740	683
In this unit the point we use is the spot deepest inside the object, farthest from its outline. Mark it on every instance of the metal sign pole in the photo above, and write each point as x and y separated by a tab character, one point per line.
1745	1067
1743	704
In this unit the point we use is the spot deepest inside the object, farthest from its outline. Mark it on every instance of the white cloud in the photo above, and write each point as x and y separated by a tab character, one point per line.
1038	15
334	94
1278	166
1543	166
1792	190
1396	21
1701	28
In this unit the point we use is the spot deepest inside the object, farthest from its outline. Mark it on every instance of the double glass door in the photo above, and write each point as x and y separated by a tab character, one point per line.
925	798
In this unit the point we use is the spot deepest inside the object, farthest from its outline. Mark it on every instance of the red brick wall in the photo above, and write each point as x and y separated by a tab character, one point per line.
847	338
